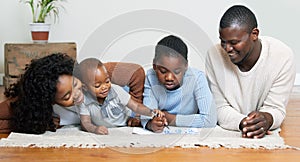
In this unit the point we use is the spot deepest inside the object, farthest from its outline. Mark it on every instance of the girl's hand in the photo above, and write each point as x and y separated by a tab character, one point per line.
156	125
159	120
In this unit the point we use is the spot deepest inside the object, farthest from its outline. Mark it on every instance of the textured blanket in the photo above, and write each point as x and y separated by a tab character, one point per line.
123	137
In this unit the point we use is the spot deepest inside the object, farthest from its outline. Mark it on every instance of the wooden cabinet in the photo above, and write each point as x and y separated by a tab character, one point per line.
18	55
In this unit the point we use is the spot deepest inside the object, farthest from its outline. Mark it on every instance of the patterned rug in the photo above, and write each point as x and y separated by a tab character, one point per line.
122	137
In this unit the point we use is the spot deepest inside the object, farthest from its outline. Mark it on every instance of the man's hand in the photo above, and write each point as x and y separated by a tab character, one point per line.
256	124
157	124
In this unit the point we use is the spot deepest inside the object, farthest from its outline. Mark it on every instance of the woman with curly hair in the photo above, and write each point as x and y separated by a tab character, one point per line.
46	81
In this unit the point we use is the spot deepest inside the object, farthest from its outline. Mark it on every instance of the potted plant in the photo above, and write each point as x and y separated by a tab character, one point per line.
40	10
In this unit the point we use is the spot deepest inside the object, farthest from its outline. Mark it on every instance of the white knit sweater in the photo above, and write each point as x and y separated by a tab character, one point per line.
266	87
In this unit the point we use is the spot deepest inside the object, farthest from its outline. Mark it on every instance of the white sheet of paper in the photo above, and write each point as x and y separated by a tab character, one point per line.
137	130
172	130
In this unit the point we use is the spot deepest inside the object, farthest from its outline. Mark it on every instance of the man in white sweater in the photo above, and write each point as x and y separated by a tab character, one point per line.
250	77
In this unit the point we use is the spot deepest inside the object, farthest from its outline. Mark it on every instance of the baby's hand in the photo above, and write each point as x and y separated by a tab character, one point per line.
101	130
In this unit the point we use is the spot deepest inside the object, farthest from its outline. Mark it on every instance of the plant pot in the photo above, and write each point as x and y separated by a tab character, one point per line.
39	32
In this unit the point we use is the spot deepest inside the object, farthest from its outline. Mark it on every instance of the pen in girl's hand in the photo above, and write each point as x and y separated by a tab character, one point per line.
166	126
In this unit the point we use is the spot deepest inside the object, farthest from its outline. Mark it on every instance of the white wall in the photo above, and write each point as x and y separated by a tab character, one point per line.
126	30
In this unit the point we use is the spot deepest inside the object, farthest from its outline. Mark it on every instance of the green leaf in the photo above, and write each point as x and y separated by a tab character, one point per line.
41	9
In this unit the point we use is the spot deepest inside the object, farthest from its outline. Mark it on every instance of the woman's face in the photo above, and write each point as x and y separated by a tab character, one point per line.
68	91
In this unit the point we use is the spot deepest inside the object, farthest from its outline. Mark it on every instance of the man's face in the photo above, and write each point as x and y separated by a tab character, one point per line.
237	42
170	71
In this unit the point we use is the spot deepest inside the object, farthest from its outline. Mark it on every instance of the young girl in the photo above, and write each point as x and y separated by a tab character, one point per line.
105	104
180	91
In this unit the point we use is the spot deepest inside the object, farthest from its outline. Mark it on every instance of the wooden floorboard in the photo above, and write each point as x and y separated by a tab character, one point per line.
290	131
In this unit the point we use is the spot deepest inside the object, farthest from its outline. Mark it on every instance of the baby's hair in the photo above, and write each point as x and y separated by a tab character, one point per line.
87	67
170	46
239	15
35	93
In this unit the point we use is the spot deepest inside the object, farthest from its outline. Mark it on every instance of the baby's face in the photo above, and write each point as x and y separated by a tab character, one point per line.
170	71
100	85
68	91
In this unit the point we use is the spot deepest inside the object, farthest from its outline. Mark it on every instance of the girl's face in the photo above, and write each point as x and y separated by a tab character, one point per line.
68	91
170	71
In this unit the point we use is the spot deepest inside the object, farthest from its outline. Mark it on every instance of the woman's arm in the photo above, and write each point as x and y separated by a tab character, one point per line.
134	78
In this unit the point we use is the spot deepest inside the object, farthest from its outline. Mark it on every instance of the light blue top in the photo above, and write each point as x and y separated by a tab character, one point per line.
192	103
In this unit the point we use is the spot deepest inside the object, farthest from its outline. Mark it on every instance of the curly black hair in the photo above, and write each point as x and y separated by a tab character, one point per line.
35	93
